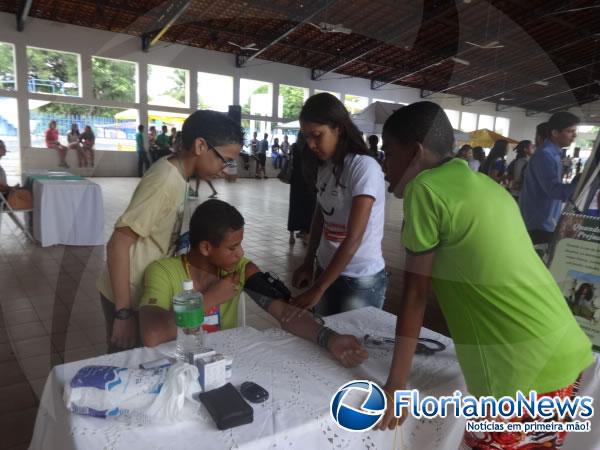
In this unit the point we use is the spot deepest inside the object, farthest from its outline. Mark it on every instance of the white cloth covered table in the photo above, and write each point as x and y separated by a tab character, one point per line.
301	379
68	212
25	174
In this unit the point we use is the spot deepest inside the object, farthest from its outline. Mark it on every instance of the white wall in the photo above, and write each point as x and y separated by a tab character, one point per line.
88	42
589	113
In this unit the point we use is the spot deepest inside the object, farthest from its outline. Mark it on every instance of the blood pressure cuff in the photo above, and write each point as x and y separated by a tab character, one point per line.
264	287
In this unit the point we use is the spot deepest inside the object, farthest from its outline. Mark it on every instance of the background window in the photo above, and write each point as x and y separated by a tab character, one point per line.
168	86
114	128
9	133
256	97
355	103
273	129
53	72
468	122
7	67
114	80
502	126
291	99
215	91
485	122
453	117
170	119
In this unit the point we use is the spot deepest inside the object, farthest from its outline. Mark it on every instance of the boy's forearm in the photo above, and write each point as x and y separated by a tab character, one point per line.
157	327
408	328
303	326
118	261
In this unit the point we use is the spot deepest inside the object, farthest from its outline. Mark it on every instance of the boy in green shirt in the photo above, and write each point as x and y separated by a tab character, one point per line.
465	237
217	265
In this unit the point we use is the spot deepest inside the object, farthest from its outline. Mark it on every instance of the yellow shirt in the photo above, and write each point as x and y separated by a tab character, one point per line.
155	214
164	279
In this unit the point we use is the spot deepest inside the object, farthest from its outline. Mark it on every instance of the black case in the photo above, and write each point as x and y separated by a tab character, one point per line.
227	407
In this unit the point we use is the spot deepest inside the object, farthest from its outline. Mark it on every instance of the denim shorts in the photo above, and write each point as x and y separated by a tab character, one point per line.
347	293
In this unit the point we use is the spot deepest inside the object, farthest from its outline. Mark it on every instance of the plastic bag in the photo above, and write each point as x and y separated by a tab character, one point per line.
160	395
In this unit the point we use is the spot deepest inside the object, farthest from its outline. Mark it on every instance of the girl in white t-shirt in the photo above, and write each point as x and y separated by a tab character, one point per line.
347	226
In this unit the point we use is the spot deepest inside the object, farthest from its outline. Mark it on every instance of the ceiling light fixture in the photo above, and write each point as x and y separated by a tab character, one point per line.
487	46
464	62
542	83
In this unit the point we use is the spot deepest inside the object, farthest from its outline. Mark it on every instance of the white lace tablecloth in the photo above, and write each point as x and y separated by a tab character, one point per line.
301	379
68	212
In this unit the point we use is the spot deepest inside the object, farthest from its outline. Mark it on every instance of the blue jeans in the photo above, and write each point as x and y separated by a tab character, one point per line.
347	293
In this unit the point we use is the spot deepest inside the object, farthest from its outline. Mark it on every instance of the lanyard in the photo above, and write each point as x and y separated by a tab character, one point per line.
186	266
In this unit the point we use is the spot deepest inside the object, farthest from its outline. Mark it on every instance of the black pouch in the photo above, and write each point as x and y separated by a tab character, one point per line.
227	407
269	285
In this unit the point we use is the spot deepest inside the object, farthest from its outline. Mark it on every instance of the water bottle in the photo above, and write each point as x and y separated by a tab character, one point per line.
189	317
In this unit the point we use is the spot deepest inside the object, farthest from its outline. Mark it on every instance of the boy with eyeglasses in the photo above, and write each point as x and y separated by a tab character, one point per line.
149	228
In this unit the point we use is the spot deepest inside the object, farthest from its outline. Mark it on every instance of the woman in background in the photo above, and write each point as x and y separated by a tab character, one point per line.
495	164
478	158
88	140
52	141
516	169
73	138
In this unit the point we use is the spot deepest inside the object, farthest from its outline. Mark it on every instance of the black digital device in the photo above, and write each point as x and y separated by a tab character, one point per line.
253	392
227	407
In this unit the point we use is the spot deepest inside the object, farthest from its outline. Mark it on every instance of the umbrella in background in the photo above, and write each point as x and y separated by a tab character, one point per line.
486	138
371	119
461	138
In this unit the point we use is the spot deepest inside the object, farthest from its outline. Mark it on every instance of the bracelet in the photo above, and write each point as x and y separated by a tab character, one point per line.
324	335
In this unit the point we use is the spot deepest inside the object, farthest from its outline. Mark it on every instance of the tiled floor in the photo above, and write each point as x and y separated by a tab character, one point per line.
50	311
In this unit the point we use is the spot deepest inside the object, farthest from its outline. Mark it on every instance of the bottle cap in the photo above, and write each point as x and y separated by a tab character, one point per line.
188	285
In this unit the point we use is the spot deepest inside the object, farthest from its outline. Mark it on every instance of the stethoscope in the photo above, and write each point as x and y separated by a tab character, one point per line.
425	346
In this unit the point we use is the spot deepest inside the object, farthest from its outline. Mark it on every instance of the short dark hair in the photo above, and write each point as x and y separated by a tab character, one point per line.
217	128
140	127
422	122
212	220
479	153
165	128
543	130
561	120
461	153
373	140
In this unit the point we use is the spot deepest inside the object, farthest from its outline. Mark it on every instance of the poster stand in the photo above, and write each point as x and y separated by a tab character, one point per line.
574	258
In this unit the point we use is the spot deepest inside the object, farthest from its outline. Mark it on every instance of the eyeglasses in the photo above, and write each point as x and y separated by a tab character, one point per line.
226	164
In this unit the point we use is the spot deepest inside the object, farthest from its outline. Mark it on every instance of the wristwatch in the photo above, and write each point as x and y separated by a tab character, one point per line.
124	314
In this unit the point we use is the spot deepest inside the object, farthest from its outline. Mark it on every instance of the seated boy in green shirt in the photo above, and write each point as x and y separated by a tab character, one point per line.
465	237
217	265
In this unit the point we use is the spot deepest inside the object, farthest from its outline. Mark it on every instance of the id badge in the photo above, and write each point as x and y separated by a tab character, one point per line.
212	321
